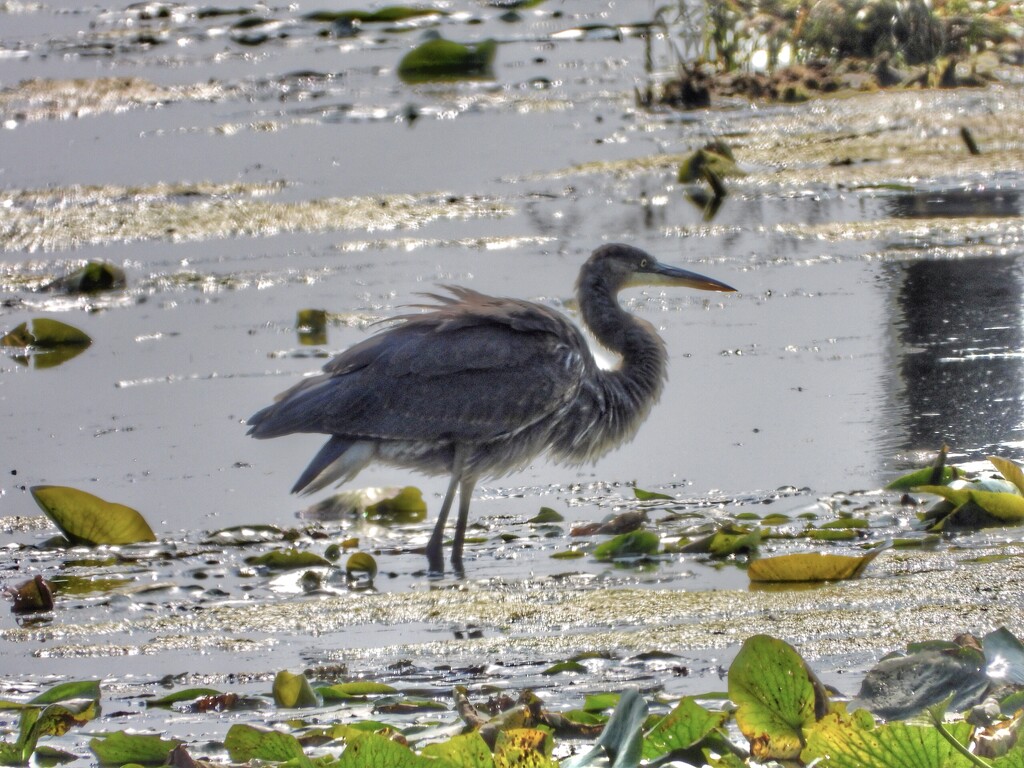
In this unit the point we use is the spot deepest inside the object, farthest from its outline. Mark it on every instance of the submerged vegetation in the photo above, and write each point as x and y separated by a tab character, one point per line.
776	703
938	703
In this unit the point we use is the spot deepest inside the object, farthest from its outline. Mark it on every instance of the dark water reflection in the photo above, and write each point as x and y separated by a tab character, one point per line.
961	353
953	203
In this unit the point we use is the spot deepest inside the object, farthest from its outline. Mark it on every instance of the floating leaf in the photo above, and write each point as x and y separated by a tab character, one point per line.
846	522
311	325
45	333
372	749
846	741
245	743
926	476
727	540
568	554
404	705
643	495
89	520
288	559
294	691
92	277
406	506
546	515
50	341
75	689
632	544
599	702
118	748
467	750
812	566
52	720
523	748
774	696
361	565
32	596
358	689
683	728
1009	470
566	666
839	534
387	14
1005	507
441	59
715	160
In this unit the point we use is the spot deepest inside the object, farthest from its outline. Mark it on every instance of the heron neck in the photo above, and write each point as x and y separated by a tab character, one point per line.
636	383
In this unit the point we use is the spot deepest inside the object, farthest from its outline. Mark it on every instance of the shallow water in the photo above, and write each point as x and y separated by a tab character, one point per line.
238	181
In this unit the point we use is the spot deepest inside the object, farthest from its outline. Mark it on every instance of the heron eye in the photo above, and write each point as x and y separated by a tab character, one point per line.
643	263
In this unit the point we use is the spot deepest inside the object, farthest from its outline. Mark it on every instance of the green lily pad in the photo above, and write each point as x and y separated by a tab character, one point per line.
372	749
118	748
288	559
441	59
546	515
568	554
713	161
245	743
51	342
523	748
467	750
727	540
75	689
570	665
89	520
684	728
360	565
926	476
632	544
358	689
45	333
642	495
93	277
599	702
404	507
1008	508
388	14
854	741
294	691
311	326
811	566
774	696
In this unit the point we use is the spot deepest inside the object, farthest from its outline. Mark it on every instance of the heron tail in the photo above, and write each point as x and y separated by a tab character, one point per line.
340	459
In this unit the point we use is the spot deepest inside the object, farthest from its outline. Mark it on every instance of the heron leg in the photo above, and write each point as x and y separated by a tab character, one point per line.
435	555
465	495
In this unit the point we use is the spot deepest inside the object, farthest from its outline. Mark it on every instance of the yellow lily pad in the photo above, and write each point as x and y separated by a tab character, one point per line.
1009	470
90	520
811	566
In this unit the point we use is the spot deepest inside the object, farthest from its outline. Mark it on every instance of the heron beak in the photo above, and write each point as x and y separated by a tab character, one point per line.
663	274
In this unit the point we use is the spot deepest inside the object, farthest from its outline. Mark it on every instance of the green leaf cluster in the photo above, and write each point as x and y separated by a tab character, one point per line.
52	713
779	707
968	505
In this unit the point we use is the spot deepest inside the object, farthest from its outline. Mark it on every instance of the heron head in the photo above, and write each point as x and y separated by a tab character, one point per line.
625	266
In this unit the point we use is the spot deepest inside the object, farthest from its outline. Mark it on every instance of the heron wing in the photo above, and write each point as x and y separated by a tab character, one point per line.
473	369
